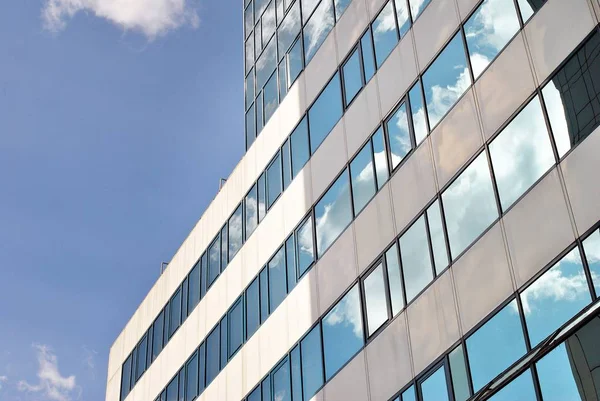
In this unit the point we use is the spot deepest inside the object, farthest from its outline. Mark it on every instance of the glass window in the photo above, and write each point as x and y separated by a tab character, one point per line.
469	205
446	80
521	154
409	394
307	8
417	7
173	389
528	7
258	43
417	109
458	371
274	181
212	355
235	232
495	346
270	97
262	198
520	389
277	279
249	89
342	332
224	337
157	336
558	375
264	294
488	30
325	112
250	127
266	64
287	164
296	374
591	248
191	378
283	83
289	28
416	261
304	246
385	34
435	388
363	178
194	287
368	55
236	327
167	324
394	280
312	362
249	51
333	213
248	20
295	61
175	305
282	386
438	239
290	262
184	300
259	7
398	135
252	308
259	113
317	28
255	395
266	389
141	350
268	22
224	247
214	259
182	384
340	7
555	297
201	368
203	274
352	74
375	300
251	206
380	156
299	144
126	377
403	16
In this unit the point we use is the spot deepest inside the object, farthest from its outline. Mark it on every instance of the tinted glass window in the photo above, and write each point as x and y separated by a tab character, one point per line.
249	51
398	135
249	89
521	154
184	300
295	61
304	246
469	205
380	156
317	28
270	94
495	346
417	109
403	16
173	389
299	144
259	113
333	213
277	279
259	7
266	64
203	274
283	82
252	308
250	127
289	29
236	327
435	388
266	389
368	55
141	350
194	287
262	197
255	395
286	164
191	379
268	22
235	232
296	374
181	384
385	35
212	355
282	386
458	370
214	260
157	336
248	20
556	373
520	388
251	205
126	378
409	394
264	294
312	362
325	113
591	248
201	368
446	80
417	7
290	261
363	178
416	261
175	306
352	76
438	238
375	299
274	181
224	336
394	280
224	247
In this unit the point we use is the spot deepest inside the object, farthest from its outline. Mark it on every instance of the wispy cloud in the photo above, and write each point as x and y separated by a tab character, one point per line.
52	384
3	379
89	360
152	18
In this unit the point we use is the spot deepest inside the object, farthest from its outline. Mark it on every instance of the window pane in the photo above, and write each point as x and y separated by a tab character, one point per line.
262	198
268	22
307	8
556	373
340	7
259	7
282	387
251	211
266	64
352	76
289	28
181	384
274	182
555	297
446	80
214	259
520	389
224	247
287	164
521	154
438	238
255	395
488	30
212	355
270	97
249	89
375	300
249	51
224	337
283	83
194	288
235	232
141	350
236	327
248	20
252	308
296	374
403	16
333	213
317	29
409	394
157	336
416	261
394	280
203	274
266	389
385	35
418	112
299	144
201	368
191	379
469	205
173	389
398	135
312	362
591	248
325	113
295	61
458	370
363	178
417	6
368	55
495	346
528	7
126	378
381	166
264	294
259	113
277	279
290	262
435	387
175	306
304	246
250	127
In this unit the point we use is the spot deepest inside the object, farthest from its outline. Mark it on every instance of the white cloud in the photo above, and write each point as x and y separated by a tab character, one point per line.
347	313
52	384
3	379
150	17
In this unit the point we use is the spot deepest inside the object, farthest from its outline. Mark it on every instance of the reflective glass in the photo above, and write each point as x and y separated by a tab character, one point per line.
299	144
266	389
252	308
520	389
259	7
181	384
417	7
157	336
290	261
394	280
325	112
352	74
249	52
368	55
398	135
556	373
266	64
248	20
167	324
268	22
304	246
435	388
283	83
212	355
528	7
191	379
495	346
417	110
295	61
317	28
591	248
175	306
289	28
224	247
251	206
438	239
270	97
458	371
236	327
416	261
340	7
224	337
380	156
469	205
264	294
488	30
286	163
249	89
521	154
385	34
201	368
274	181
333	213
250	127
296	374
555	297
235	233
277	279
282	386
141	350
259	113
312	362
255	395
446	80
258	43
173	389
194	287
307	8
363	178
184	300
403	16
375	300
262	198
558	120
126	377
409	394
203	274
342	332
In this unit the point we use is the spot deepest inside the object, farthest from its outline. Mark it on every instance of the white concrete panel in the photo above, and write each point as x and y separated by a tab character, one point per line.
321	68
250	171
303	306
273	339
270	233
374	6
201	327
249	253
251	366
113	387
233	276
268	142
434	313
115	357
291	109
441	14
416	172
538	228
362	117
297	199
337	269
350	383
397	73
504	86
465	7
234	373
548	45
349	28
329	160
215	302
388	360
456	138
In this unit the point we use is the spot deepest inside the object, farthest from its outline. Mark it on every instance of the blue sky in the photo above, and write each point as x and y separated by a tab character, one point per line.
117	118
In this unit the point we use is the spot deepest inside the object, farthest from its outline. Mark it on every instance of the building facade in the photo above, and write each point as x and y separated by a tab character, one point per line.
417	215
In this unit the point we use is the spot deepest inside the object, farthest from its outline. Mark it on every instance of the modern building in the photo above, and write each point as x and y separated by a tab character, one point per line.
416	216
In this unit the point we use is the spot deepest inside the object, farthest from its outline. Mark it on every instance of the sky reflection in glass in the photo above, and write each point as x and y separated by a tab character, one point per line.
333	213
